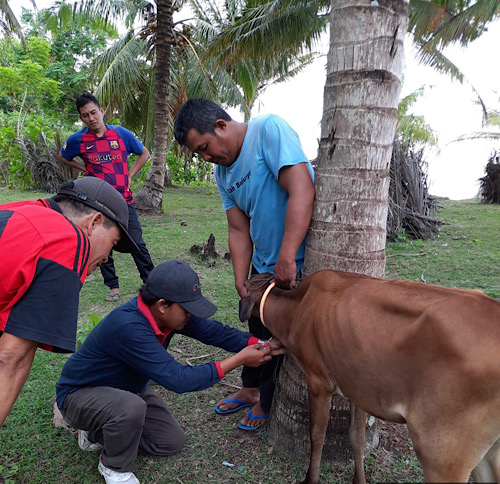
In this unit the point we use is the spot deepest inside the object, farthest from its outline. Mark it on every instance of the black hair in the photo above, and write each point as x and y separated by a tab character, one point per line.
85	98
72	208
200	114
149	298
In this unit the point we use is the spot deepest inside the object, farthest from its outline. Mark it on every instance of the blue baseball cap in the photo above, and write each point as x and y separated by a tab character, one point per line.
177	282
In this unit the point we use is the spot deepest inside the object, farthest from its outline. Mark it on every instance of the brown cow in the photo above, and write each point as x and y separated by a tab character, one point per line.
405	352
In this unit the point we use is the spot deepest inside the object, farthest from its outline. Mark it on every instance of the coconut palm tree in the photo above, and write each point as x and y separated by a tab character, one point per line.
149	198
129	68
9	23
347	233
129	74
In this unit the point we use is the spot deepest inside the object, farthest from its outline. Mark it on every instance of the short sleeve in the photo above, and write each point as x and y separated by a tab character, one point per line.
227	200
280	145
72	146
132	144
40	315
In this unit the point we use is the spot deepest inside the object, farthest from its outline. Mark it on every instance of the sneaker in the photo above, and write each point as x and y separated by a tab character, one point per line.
112	477
85	444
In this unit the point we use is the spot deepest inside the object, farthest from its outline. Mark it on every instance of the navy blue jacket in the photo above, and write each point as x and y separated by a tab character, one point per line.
126	349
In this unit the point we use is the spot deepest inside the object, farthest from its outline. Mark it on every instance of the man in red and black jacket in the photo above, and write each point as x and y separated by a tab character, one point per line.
47	248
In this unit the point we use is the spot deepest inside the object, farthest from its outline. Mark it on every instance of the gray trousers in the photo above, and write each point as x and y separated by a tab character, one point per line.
124	423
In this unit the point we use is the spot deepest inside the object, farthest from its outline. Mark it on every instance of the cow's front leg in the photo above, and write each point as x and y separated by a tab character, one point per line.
320	397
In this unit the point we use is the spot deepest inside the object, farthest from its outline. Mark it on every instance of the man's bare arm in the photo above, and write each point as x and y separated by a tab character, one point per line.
240	246
72	163
16	358
297	182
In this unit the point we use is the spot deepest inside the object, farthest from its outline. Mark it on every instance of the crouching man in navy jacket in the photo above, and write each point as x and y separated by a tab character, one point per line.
103	390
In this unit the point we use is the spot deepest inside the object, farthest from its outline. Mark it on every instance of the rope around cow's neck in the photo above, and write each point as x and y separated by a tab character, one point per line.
263	301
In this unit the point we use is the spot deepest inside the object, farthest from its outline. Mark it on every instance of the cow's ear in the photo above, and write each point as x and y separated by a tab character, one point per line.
246	306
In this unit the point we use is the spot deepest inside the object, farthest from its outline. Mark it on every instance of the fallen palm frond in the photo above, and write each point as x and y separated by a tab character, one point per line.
41	158
411	208
490	183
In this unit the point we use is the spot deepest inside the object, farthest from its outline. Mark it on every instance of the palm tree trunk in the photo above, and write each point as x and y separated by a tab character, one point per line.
352	181
150	198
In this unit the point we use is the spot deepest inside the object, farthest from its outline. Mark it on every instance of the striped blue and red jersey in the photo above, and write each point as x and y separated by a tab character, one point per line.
106	156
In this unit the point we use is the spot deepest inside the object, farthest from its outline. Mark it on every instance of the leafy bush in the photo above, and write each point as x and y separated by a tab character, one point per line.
194	172
10	154
142	176
190	170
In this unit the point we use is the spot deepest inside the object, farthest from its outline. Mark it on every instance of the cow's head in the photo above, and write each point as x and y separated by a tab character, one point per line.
256	286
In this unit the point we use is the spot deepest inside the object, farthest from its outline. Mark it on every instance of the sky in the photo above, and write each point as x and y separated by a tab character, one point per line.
448	106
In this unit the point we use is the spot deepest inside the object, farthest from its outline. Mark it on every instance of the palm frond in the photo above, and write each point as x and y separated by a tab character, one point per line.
491	135
270	28
63	16
429	56
425	17
9	22
112	10
440	23
121	69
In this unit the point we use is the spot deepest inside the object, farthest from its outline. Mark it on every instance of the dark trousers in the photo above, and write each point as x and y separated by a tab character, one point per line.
124	423
142	260
262	377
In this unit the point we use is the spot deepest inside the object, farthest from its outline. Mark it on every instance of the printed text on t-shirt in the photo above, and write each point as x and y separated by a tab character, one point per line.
240	183
102	158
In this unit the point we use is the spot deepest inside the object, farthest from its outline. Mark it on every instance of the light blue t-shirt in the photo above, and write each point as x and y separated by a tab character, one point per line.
251	183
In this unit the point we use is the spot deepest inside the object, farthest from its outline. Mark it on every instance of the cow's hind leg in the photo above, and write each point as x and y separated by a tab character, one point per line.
447	453
320	398
357	437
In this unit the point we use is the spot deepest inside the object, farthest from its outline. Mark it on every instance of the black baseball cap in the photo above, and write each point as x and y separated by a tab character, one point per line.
175	281
101	196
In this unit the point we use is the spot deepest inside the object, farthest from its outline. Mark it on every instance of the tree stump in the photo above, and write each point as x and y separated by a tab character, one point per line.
208	250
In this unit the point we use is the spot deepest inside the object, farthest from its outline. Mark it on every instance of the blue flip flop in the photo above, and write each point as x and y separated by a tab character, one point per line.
251	417
240	405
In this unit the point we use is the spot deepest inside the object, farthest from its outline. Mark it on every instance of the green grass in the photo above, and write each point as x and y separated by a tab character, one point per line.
465	255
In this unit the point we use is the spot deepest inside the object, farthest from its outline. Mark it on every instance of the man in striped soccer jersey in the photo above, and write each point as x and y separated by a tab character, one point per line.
47	249
104	150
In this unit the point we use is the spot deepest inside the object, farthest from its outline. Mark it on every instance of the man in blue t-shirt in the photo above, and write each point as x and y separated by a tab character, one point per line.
267	190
